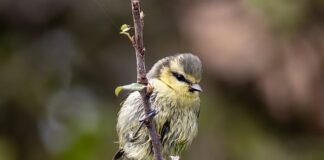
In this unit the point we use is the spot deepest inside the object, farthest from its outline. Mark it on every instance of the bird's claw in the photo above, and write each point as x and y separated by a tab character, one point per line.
134	137
142	121
150	115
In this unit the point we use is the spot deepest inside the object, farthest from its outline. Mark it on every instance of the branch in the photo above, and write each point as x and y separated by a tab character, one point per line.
141	75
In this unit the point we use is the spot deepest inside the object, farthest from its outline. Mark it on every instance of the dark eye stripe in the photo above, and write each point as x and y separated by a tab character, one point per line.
180	77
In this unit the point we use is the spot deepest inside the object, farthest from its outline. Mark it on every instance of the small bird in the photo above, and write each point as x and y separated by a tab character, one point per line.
175	99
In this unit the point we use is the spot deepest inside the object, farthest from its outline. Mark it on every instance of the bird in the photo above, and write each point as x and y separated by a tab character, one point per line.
175	99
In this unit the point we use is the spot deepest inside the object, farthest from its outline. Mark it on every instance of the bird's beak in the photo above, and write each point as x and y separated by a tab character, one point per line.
195	87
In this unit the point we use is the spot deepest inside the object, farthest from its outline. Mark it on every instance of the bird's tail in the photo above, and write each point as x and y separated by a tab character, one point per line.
119	154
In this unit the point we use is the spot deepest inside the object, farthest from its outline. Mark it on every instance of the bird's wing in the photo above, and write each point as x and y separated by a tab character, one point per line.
164	131
128	125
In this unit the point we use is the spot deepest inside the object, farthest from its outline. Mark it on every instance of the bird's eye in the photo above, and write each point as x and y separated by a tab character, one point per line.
179	77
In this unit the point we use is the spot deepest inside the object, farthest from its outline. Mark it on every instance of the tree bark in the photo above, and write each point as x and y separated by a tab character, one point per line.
141	75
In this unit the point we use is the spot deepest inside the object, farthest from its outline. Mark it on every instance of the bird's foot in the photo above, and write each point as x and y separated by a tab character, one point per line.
175	157
142	122
134	137
149	115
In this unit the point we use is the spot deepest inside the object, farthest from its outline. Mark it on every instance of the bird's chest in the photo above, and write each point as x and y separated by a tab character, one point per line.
181	121
183	126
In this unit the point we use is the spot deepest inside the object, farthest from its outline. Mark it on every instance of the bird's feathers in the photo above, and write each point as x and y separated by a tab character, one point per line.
178	110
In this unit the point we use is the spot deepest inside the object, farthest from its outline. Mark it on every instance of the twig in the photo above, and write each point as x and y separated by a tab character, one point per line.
141	75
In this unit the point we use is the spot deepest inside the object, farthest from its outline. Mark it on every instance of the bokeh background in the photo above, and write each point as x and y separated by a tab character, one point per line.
263	77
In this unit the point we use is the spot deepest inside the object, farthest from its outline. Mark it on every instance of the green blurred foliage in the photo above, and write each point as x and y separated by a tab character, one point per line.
60	62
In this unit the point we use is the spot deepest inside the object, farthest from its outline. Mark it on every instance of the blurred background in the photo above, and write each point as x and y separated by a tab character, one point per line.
263	78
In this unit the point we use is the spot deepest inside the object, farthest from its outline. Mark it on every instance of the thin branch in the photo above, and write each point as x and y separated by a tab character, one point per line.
141	75
138	42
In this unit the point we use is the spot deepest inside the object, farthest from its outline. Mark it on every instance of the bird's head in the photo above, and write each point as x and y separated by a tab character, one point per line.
181	72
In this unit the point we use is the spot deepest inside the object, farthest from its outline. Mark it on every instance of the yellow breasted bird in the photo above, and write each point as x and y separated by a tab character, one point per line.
175	98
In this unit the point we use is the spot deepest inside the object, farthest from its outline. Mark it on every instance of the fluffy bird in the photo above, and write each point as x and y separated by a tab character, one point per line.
175	98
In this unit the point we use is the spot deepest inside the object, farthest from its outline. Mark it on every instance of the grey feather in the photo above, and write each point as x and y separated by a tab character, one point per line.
191	65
